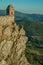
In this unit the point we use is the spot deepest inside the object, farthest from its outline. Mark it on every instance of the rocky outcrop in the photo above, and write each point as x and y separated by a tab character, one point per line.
12	45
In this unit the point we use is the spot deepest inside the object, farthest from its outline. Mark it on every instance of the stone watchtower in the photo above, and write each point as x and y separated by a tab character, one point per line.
10	10
9	18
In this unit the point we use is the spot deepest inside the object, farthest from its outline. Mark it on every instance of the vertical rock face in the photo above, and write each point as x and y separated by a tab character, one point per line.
12	44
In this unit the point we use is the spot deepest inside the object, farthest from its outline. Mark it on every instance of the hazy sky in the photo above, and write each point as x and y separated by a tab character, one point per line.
27	6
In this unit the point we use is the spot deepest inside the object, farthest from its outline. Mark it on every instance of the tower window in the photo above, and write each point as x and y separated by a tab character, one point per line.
11	13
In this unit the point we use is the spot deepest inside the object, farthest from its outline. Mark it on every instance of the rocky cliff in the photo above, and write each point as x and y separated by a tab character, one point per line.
12	44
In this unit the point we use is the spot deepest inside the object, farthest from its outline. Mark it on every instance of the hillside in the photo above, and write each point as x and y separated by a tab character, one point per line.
33	23
34	46
35	17
32	28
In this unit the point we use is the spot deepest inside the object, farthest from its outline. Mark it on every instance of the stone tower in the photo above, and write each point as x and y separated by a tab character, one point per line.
10	10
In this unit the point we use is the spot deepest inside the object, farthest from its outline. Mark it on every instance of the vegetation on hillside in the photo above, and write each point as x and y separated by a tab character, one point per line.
34	51
31	27
34	46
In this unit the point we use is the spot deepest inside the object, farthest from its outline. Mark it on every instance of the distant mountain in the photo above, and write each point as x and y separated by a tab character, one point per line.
36	17
2	12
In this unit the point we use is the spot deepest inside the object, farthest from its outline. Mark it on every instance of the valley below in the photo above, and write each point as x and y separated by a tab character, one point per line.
34	46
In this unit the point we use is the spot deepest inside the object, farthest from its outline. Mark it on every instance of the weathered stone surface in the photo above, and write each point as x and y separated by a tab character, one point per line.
3	62
12	42
0	30
7	48
7	31
22	32
2	44
4	37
